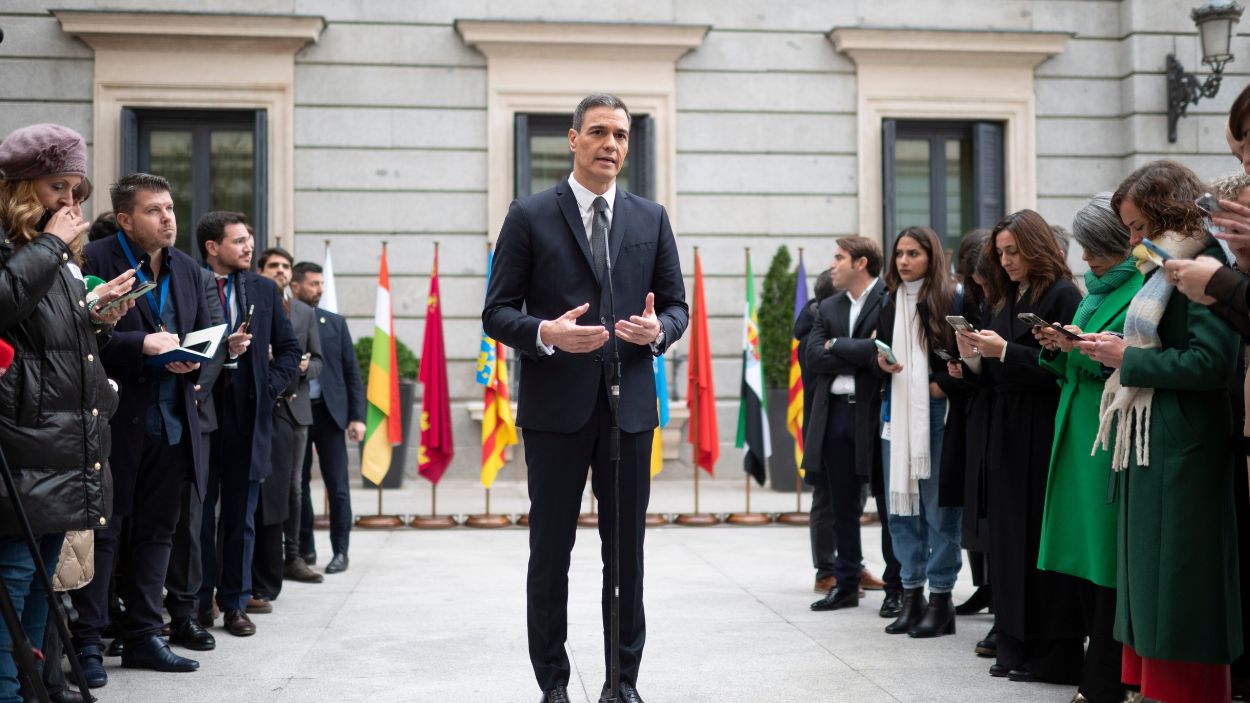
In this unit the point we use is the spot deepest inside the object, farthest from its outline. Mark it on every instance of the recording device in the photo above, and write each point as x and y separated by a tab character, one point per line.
141	289
1155	249
1036	321
960	323
1209	203
944	355
247	321
886	350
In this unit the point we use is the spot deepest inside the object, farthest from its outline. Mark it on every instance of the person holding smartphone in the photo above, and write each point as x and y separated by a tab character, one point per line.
1036	613
1078	525
1168	424
925	533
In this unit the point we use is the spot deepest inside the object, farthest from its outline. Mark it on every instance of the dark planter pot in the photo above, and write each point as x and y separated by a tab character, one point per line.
782	472
399	454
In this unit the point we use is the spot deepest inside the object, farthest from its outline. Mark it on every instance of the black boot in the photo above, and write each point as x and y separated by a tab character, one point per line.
938	620
982	599
988	647
913	609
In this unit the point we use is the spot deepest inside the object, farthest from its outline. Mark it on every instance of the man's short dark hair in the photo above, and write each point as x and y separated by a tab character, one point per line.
303	268
126	190
597	100
858	247
272	252
212	228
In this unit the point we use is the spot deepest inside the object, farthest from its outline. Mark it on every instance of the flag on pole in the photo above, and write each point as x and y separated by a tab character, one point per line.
794	410
383	428
437	448
752	426
329	301
661	400
498	427
700	395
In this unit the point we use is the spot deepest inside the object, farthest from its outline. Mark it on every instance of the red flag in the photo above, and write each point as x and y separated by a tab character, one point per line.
700	396
436	448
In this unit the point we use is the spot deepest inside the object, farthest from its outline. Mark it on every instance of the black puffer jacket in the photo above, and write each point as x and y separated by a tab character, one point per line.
55	399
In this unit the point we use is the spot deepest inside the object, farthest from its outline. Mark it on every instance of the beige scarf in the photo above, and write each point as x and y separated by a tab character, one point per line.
909	406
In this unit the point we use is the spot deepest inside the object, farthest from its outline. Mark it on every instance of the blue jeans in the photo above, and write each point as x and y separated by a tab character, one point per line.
927	545
28	599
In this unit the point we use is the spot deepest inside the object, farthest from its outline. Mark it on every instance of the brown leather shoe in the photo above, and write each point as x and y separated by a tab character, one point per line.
869	582
297	570
238	624
259	606
826	584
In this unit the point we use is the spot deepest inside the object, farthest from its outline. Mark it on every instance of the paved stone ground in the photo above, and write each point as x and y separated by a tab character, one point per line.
440	616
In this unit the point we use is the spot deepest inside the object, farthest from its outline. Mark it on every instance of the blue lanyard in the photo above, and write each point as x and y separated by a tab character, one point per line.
157	308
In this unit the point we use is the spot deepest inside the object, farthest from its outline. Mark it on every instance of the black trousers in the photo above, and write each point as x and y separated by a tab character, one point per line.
836	489
331	449
228	536
557	464
1100	677
186	568
161	473
267	558
295	498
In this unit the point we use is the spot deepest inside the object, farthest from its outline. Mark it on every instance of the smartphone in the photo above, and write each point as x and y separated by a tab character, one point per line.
885	349
959	323
944	355
1155	249
1036	321
1209	203
135	292
247	321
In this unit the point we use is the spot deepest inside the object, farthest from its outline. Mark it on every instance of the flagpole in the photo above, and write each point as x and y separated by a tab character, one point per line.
382	521
749	518
433	521
695	519
798	517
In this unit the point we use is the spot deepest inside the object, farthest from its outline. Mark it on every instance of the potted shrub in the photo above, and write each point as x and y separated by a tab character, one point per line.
776	315
408	367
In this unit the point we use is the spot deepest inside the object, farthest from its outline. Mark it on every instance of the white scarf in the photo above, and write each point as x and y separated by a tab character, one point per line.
1128	407
909	405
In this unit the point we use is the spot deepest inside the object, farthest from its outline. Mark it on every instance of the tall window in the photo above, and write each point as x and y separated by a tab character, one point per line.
944	175
213	160
543	157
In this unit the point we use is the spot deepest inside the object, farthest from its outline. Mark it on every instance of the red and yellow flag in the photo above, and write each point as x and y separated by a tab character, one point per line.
383	426
794	410
498	427
700	395
436	448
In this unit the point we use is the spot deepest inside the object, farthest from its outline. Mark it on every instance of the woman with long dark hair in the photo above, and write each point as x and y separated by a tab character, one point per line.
925	535
1036	614
1167	419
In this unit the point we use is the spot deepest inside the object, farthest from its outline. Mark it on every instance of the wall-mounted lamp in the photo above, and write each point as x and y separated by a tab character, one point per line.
1215	22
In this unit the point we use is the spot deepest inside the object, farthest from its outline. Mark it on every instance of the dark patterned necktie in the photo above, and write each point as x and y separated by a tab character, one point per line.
599	239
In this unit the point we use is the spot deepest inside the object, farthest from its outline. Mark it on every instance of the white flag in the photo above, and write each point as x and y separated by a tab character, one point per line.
329	301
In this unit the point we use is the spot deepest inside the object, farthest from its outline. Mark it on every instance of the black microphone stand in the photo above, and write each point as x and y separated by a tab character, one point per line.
614	458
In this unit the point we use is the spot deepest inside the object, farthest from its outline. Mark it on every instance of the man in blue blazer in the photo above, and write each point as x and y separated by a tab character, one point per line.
571	262
155	431
338	405
253	377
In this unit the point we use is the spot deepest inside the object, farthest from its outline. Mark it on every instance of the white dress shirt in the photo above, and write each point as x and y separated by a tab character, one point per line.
845	383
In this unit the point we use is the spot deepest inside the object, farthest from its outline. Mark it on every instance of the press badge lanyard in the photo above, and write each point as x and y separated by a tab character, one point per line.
157	307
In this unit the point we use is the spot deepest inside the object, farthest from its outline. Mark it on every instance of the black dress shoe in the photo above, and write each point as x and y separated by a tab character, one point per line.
115	648
154	653
309	558
1022	675
988	647
999	670
559	694
938	620
188	633
91	658
64	695
626	693
838	598
912	611
892	604
979	601
337	565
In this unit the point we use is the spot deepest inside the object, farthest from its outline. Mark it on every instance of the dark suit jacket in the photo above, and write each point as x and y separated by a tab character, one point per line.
210	371
123	360
853	353
341	389
261	380
304	324
542	269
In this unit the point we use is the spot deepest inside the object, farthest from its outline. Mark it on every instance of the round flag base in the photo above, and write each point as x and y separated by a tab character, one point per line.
748	519
433	522
321	522
523	520
379	522
588	520
656	520
796	519
697	519
488	521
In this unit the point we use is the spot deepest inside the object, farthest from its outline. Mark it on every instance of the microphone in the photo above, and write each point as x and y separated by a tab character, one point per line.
6	356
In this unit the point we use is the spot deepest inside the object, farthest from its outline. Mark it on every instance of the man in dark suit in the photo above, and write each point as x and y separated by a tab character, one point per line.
155	430
247	391
549	297
338	406
842	438
277	511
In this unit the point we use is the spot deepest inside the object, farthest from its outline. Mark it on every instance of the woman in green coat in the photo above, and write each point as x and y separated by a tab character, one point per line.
1166	416
1079	522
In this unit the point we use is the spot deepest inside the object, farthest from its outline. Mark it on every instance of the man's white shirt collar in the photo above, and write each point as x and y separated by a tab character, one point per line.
586	198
